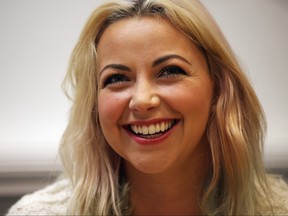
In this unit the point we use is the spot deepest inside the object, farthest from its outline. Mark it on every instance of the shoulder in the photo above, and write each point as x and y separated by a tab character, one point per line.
279	194
51	200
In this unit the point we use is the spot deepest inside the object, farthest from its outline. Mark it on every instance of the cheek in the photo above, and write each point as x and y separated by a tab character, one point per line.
107	104
110	107
191	99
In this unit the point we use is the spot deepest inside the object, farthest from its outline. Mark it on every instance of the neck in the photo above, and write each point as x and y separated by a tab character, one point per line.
173	192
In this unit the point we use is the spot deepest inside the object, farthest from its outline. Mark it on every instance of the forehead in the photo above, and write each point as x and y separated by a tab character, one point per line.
134	25
143	31
141	40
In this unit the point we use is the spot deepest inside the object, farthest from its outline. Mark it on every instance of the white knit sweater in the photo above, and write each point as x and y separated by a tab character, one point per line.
53	200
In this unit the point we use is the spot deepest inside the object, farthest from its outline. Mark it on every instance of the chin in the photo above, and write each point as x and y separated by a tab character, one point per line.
150	166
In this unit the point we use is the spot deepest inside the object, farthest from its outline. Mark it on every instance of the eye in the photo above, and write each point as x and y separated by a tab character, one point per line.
115	79
171	71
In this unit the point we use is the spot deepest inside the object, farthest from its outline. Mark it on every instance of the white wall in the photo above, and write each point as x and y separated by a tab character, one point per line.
37	37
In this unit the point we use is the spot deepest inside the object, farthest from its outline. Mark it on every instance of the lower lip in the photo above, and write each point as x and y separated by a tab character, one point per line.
151	141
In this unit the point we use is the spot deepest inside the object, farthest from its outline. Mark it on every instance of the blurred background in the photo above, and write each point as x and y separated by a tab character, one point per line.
36	39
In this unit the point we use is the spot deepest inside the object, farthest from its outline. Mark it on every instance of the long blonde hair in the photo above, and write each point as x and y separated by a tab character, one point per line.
237	181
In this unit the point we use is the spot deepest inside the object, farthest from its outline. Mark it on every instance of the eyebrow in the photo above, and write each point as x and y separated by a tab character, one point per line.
168	57
116	66
155	63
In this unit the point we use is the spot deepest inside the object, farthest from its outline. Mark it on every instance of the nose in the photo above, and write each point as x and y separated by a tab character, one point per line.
144	98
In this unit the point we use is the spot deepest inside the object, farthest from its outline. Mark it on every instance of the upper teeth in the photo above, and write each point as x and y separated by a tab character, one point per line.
152	128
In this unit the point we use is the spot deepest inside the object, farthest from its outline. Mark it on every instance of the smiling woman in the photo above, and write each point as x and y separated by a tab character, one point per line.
167	87
164	121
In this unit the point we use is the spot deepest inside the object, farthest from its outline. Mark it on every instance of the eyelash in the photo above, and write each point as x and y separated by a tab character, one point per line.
166	72
115	79
171	71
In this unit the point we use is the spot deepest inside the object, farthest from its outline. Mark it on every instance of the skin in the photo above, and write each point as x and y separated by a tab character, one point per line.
166	177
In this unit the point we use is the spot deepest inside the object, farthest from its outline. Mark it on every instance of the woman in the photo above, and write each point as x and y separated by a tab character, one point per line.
163	122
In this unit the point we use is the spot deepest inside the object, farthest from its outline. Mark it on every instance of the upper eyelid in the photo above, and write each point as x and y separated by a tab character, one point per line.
110	76
162	69
174	66
171	66
183	65
113	74
117	67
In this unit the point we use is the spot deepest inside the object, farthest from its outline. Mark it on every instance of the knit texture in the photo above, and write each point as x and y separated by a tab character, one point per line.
279	196
53	200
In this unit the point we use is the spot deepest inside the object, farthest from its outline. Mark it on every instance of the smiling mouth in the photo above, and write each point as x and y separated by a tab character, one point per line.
151	131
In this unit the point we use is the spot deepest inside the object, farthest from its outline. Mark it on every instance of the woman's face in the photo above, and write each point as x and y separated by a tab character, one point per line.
155	94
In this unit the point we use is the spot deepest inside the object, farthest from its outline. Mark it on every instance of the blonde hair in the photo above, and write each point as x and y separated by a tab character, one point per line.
237	181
